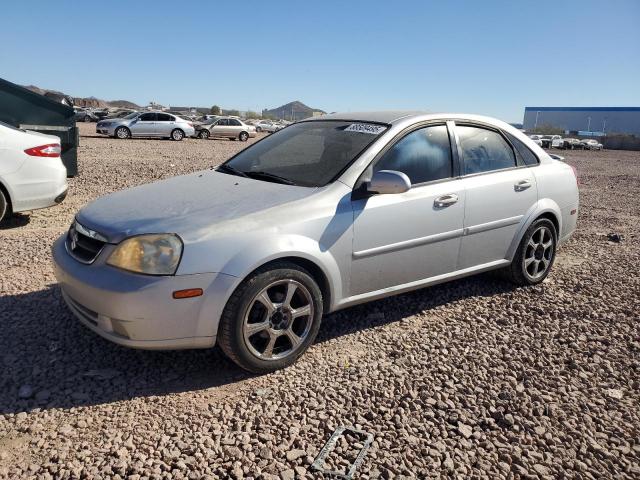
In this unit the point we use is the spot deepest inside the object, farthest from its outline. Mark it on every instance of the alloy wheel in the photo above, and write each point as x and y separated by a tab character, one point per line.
278	320
539	253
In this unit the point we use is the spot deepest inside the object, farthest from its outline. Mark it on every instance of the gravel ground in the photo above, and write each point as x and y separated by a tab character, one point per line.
469	379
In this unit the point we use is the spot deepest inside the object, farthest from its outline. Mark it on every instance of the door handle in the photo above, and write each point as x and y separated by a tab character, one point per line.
522	185
445	200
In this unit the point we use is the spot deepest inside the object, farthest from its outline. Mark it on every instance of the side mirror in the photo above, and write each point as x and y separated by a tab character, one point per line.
389	181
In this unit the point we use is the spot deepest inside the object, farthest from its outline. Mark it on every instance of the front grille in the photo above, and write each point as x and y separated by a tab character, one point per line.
81	245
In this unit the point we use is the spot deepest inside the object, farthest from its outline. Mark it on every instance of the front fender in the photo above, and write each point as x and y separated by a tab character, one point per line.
249	259
542	206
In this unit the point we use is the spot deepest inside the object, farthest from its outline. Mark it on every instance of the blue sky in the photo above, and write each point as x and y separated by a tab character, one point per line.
489	57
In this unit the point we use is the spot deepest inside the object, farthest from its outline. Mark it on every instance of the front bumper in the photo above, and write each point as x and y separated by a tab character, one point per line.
138	310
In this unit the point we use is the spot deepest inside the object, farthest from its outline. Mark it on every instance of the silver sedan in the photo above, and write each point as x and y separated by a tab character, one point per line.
325	214
226	127
147	124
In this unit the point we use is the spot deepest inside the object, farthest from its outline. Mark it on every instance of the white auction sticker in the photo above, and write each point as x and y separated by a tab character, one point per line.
365	128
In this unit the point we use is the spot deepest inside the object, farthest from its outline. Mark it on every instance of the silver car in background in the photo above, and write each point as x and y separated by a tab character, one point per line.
226	127
147	124
325	214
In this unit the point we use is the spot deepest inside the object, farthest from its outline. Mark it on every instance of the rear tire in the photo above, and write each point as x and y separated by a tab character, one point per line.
5	209
177	135
535	255
244	136
271	319
258	129
122	133
87	119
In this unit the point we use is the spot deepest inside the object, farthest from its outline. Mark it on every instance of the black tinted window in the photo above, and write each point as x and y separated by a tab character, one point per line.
234	122
527	156
163	117
484	150
423	155
148	117
222	123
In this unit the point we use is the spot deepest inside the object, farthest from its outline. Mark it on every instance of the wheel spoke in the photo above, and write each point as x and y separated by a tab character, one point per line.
528	261
293	338
536	265
291	290
545	263
547	244
253	328
531	243
268	350
264	299
301	312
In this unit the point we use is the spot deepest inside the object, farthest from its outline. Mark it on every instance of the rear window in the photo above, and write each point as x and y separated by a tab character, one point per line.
526	156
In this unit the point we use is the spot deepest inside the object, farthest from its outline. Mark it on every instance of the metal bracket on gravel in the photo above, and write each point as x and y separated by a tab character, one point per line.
319	460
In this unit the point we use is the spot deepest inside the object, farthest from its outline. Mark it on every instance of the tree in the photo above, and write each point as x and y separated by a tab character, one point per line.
547	129
215	110
233	113
252	114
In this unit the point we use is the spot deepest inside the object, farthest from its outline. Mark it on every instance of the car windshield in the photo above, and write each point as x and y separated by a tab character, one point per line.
309	154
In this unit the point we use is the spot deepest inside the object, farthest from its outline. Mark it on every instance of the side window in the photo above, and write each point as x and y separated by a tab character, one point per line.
148	117
163	117
527	156
423	155
222	122
235	123
484	150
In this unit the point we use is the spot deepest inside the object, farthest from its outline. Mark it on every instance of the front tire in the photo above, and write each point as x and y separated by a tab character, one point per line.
271	319
177	135
535	255
203	134
122	133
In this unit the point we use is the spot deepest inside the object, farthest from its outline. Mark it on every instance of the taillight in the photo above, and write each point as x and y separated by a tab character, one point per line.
49	150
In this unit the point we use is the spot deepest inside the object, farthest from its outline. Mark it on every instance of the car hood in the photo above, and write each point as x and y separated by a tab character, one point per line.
186	205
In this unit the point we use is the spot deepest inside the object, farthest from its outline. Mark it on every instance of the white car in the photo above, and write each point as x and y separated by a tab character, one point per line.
537	139
267	126
591	144
32	174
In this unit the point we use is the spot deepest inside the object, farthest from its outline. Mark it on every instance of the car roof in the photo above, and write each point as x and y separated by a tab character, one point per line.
384	116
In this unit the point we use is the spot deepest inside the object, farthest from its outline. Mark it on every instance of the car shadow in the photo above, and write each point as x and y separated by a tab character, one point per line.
49	360
16	220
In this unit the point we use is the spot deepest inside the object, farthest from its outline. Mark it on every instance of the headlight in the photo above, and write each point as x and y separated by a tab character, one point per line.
157	254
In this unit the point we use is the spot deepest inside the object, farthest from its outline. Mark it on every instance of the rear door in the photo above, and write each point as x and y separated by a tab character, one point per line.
144	125
165	123
500	191
235	127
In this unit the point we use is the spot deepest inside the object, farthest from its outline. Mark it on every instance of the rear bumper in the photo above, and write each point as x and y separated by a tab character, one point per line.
139	311
37	185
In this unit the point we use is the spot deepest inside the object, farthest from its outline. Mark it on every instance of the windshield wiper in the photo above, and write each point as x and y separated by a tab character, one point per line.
226	168
270	177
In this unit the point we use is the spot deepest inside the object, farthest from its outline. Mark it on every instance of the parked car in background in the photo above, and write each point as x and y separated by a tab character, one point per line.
119	114
537	139
325	214
590	144
267	126
32	174
226	127
551	141
83	115
571	144
147	124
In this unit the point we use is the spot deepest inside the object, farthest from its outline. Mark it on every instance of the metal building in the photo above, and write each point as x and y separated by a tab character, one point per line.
587	121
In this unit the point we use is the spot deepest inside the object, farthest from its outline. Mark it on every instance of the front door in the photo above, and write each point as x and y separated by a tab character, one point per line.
144	125
220	128
499	194
403	238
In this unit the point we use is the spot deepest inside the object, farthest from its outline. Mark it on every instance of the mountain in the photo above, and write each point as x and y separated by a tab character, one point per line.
292	111
90	102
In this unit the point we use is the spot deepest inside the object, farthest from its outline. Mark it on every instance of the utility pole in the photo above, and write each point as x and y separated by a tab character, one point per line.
536	124
588	124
